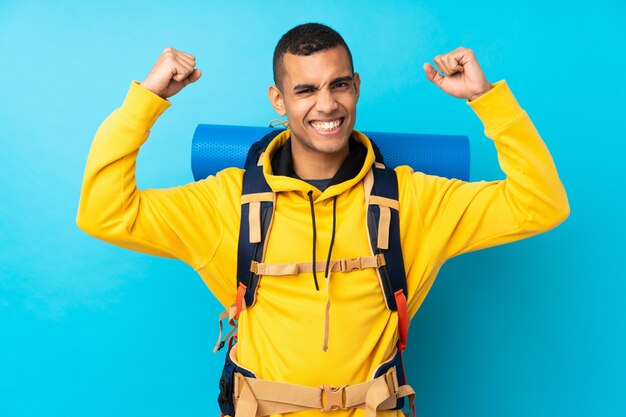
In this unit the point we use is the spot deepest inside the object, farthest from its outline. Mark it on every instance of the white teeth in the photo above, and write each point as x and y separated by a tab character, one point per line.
326	125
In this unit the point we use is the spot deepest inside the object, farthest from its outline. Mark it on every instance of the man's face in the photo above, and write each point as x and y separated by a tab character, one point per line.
319	93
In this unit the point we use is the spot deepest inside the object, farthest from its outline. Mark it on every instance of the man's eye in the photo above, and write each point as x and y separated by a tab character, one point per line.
305	91
342	84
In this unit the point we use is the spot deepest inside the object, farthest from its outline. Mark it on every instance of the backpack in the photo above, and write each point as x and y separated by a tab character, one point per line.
257	211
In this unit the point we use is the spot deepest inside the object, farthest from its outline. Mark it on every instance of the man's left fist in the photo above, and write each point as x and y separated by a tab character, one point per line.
463	77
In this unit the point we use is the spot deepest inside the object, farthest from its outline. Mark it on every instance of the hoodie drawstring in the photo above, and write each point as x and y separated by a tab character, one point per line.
332	237
327	269
310	194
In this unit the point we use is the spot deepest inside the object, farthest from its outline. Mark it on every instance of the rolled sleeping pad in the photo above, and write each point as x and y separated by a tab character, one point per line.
215	147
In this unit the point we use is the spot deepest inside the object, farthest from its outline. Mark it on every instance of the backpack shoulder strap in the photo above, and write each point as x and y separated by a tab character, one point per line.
383	223
257	211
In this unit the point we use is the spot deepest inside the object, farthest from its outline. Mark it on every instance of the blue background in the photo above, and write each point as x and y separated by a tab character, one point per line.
535	328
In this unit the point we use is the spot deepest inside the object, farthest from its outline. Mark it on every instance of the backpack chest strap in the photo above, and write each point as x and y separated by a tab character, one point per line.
337	265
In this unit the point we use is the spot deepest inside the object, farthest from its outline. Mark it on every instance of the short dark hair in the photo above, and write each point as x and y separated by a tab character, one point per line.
306	39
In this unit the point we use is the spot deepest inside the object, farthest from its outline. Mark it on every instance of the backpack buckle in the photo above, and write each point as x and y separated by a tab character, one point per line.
351	264
333	398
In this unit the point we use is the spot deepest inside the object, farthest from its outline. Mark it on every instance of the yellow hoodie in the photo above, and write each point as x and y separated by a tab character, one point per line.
280	337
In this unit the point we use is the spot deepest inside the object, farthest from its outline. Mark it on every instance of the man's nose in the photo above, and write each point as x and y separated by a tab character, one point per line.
326	102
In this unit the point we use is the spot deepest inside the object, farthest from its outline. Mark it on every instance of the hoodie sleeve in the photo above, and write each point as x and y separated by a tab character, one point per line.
179	222
460	217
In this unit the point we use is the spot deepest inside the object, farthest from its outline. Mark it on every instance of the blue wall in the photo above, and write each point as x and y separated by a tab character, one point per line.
534	328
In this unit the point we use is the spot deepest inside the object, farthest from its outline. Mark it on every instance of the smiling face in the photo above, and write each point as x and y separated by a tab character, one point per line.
319	93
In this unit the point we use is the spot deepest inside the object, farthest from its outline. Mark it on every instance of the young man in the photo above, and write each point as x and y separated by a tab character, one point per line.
317	326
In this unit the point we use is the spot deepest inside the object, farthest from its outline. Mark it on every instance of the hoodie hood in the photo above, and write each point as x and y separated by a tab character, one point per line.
281	177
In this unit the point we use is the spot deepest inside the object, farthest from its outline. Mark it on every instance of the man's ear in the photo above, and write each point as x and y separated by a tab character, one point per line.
357	84
276	98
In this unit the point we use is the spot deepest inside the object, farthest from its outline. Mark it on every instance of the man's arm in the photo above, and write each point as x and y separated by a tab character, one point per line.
449	217
181	222
458	216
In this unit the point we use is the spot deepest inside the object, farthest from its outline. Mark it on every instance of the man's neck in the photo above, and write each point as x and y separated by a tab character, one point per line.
313	165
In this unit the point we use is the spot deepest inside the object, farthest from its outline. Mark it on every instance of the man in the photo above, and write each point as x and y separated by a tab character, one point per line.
319	328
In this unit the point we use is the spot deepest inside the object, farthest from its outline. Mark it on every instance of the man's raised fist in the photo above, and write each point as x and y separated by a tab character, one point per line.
171	73
463	77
